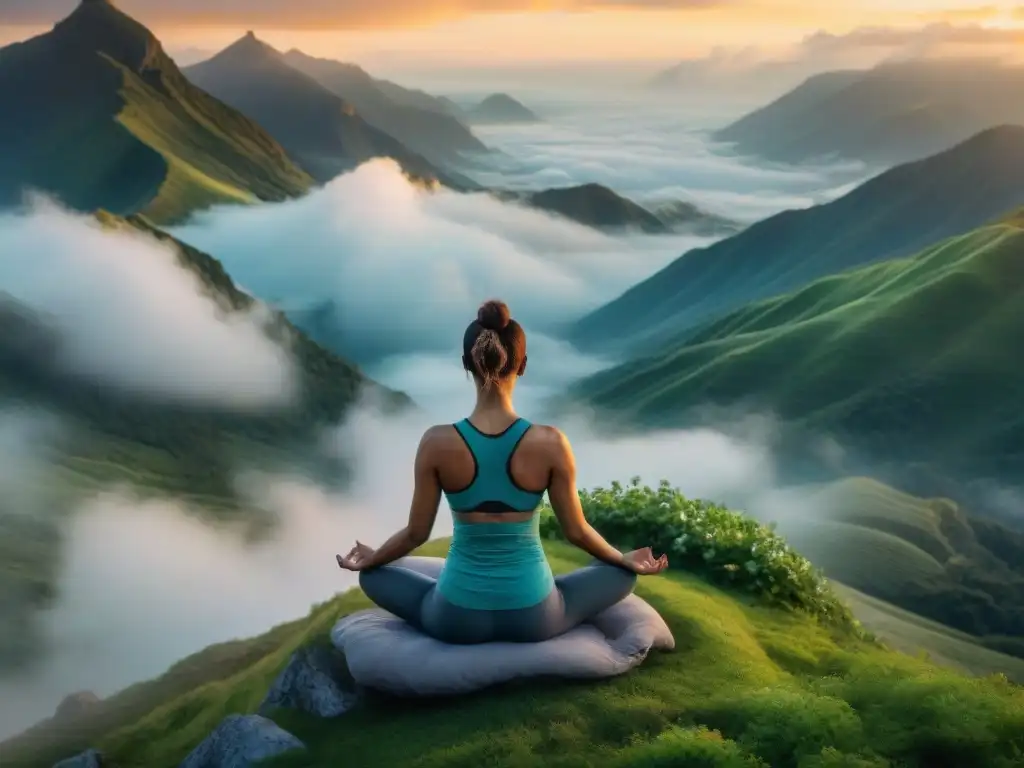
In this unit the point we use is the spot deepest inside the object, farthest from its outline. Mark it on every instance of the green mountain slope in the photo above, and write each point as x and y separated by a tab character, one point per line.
746	686
320	130
894	113
894	214
96	114
420	121
910	360
928	556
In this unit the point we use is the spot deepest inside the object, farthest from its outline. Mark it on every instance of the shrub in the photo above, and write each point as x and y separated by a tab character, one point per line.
725	547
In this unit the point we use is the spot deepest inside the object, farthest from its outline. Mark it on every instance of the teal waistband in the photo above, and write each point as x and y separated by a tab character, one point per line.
496	566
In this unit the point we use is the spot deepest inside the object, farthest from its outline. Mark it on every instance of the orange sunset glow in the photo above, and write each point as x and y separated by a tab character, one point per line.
523	30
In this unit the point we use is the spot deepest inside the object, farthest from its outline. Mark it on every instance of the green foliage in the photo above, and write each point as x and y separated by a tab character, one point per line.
725	547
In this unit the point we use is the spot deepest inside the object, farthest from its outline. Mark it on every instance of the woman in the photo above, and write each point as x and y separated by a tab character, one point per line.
494	468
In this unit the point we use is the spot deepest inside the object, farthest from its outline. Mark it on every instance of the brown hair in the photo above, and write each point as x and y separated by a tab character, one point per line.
494	345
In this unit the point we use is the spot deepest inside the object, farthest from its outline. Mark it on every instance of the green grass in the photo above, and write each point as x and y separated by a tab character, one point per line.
126	132
748	685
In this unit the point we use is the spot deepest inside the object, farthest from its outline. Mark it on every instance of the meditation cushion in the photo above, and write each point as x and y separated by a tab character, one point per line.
385	653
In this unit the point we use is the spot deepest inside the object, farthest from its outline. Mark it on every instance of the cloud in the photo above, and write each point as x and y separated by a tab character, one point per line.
764	72
407	269
321	14
129	316
930	37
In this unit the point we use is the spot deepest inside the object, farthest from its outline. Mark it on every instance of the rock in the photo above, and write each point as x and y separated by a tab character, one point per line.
312	682
76	704
241	741
88	759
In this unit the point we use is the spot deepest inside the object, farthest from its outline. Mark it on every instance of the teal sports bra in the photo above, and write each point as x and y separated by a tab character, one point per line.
496	565
493	489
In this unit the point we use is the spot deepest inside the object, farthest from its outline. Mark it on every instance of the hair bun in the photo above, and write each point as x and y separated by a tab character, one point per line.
494	315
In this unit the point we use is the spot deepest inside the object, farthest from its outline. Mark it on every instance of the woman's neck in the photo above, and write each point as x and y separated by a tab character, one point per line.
493	407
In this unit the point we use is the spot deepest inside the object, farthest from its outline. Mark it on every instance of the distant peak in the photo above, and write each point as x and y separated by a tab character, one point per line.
97	2
250	35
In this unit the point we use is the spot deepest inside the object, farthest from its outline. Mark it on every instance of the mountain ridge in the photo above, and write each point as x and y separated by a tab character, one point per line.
893	214
326	134
420	121
893	113
108	122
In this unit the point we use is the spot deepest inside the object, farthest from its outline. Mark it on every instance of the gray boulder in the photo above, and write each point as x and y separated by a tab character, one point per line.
241	741
312	682
88	759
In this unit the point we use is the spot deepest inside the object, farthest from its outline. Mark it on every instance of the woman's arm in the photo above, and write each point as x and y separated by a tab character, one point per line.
426	498
565	501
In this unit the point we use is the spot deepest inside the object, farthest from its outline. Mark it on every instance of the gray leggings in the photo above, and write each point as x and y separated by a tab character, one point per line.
408	589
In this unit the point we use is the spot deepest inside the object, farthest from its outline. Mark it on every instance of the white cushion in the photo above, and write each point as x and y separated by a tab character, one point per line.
385	653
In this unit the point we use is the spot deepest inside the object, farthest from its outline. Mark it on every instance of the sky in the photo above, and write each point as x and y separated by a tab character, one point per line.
517	31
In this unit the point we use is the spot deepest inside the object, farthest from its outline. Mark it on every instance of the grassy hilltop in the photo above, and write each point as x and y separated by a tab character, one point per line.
754	682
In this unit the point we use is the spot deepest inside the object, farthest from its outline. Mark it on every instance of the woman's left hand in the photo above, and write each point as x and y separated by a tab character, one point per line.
356	560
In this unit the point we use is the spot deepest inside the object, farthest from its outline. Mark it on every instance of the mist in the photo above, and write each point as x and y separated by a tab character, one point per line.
405	268
126	314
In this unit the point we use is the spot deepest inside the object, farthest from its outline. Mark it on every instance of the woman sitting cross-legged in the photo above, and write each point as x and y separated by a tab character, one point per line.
494	467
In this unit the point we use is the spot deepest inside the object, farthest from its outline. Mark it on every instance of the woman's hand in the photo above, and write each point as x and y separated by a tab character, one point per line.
356	560
643	562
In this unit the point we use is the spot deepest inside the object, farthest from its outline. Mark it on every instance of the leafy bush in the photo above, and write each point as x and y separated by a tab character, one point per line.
725	547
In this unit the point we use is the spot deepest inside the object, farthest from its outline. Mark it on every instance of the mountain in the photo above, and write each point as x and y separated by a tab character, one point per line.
928	556
894	214
598	206
683	216
422	122
325	134
759	687
501	108
907	362
591	204
95	113
894	113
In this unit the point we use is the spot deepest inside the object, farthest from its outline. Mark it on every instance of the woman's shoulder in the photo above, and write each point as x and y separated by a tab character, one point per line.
547	436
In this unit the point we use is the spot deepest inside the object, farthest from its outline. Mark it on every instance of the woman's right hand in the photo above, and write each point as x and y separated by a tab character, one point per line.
643	562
